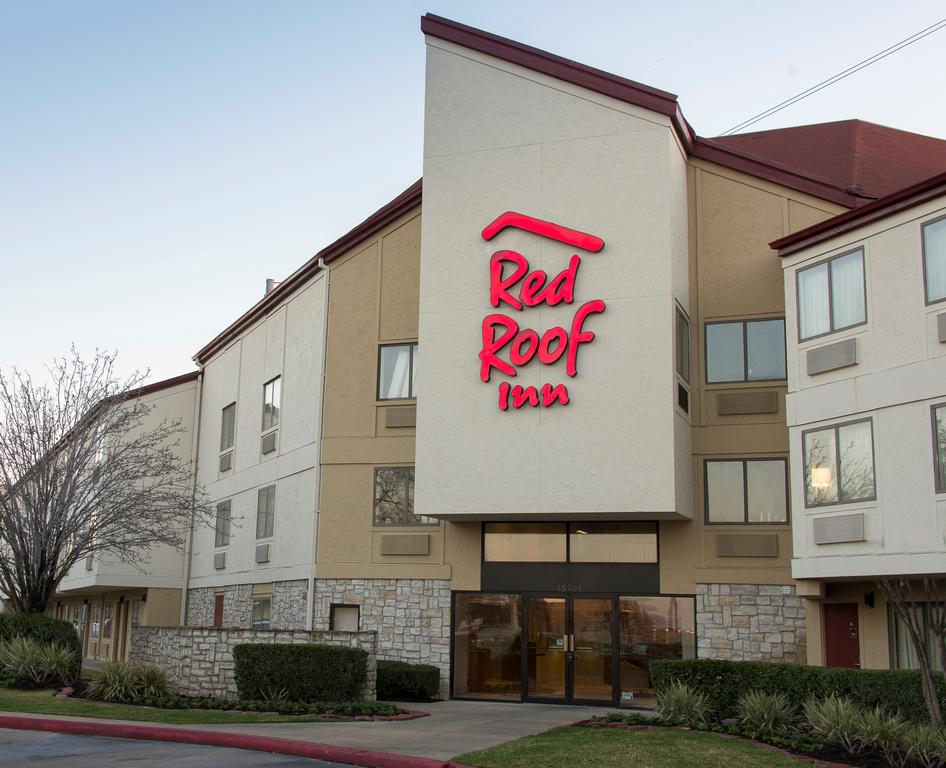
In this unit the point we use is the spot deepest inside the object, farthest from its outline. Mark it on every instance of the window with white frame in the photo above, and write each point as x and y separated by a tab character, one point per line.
222	524
265	511
394	498
271	395
902	651
227	435
839	463
831	295
934	260
753	491
397	371
939	446
745	350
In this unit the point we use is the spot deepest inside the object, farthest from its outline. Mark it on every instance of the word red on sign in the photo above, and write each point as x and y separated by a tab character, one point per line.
505	345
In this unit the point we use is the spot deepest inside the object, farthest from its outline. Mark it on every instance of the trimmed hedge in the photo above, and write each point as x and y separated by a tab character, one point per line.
400	680
299	672
339	708
43	629
724	682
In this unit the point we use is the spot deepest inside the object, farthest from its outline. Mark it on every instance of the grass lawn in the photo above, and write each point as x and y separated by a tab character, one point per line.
607	747
44	703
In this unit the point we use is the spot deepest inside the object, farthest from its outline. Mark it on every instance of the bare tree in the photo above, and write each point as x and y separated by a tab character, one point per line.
81	473
925	623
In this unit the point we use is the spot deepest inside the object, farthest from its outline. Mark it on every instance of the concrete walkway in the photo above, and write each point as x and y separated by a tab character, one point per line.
453	728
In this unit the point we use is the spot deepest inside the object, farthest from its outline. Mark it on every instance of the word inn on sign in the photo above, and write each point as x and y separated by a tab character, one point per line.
506	346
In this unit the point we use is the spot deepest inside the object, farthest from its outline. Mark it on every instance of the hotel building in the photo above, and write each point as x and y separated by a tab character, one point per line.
528	422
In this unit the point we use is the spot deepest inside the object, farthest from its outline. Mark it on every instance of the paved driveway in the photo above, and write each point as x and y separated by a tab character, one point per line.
36	748
454	728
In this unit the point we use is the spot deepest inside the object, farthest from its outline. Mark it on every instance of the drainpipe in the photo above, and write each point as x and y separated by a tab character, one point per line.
310	590
188	549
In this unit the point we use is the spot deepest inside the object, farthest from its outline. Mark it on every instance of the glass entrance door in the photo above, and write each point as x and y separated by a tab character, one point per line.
592	646
570	654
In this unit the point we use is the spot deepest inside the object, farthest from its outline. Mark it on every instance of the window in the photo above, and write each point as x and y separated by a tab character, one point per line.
934	260
344	618
939	446
227	424
902	653
394	498
831	295
746	490
397	371
839	463
750	350
222	527
271	392
262	611
682	330
585	542
265	511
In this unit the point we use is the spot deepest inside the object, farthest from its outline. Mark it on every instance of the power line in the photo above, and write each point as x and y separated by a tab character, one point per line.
697	36
840	76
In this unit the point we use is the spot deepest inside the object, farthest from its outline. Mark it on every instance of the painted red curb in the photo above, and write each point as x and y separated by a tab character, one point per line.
349	755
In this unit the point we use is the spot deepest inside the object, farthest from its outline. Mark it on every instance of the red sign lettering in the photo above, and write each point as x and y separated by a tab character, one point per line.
506	346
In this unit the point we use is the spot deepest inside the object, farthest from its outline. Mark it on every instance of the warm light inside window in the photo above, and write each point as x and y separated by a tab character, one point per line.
821	477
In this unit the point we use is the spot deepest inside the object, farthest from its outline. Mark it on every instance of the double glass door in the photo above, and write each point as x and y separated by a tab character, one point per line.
570	650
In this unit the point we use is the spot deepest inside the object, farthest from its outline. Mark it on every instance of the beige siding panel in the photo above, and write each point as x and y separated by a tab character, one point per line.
400	282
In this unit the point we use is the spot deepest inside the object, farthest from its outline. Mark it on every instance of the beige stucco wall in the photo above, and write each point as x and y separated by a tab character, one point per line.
734	275
373	301
899	374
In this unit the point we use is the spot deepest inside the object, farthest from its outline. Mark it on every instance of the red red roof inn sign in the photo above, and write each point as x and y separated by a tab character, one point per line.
506	345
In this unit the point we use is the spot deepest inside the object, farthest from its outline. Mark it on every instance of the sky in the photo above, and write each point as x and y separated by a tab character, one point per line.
159	161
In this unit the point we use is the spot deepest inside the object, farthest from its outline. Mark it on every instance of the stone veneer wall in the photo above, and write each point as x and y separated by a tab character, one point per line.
288	607
750	622
410	616
199	661
289	604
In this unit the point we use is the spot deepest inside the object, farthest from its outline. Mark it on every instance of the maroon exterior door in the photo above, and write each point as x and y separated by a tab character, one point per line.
218	610
841	635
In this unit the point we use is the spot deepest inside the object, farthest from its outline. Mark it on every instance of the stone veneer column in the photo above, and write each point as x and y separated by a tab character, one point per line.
410	616
289	604
237	606
747	622
200	607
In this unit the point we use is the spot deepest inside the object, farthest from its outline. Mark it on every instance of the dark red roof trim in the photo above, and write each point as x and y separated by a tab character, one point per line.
878	209
631	92
569	71
157	386
404	202
707	149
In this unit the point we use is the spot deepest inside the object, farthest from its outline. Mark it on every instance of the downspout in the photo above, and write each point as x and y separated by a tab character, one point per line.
310	590
188	549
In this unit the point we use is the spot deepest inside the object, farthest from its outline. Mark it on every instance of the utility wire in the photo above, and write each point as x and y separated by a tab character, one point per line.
695	37
840	76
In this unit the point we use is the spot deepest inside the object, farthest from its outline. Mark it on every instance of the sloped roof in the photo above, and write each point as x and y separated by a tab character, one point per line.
928	189
864	159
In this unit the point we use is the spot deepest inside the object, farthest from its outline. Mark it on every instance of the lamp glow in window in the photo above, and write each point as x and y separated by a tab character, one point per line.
821	477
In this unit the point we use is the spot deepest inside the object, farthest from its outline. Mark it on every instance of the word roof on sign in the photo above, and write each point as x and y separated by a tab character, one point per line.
506	346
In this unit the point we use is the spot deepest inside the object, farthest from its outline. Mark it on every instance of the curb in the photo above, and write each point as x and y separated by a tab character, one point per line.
365	758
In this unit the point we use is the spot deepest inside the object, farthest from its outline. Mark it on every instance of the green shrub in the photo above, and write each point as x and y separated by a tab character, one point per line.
44	630
306	672
766	713
679	703
28	663
723	682
882	732
124	681
414	682
926	745
837	720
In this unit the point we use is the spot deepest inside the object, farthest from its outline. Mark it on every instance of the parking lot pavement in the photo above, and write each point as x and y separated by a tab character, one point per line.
37	748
